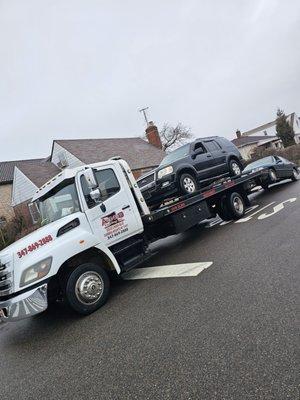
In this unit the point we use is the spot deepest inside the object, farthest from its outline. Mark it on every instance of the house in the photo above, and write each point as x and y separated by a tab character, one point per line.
25	177
269	129
247	144
7	169
264	136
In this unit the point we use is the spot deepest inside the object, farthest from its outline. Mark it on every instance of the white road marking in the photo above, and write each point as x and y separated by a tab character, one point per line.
251	208
277	208
167	271
245	219
219	220
216	221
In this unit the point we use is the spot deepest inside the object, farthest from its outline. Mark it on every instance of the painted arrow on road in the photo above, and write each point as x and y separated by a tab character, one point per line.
167	271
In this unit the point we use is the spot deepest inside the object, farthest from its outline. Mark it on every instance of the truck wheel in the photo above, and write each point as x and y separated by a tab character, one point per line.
188	184
223	211
86	288
236	205
235	168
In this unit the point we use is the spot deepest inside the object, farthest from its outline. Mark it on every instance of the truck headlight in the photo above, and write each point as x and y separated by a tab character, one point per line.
165	171
36	272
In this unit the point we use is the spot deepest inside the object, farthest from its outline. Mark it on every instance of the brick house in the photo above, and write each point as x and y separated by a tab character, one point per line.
25	177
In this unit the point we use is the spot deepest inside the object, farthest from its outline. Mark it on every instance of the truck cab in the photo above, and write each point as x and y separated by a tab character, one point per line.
84	213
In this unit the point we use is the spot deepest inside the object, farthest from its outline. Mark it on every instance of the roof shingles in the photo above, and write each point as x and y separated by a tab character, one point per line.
7	168
245	140
137	152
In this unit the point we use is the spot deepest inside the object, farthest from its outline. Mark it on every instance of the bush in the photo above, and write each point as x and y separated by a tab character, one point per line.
291	153
13	230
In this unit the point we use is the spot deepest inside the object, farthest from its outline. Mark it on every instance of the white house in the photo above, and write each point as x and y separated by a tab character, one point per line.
264	136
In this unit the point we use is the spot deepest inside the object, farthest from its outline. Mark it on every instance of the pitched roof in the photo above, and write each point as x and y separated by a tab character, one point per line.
267	125
137	152
7	169
39	171
245	140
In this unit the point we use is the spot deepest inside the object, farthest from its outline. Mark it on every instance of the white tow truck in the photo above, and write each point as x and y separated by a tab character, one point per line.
95	222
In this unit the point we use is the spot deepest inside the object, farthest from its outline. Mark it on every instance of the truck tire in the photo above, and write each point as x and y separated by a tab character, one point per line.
235	167
188	184
86	288
222	210
235	205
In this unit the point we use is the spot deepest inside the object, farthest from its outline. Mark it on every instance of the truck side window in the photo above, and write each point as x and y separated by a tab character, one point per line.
107	183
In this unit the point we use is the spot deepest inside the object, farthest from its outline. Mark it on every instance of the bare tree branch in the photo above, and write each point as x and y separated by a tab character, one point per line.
173	137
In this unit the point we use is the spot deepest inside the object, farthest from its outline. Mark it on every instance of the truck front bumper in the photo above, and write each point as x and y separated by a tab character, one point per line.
24	305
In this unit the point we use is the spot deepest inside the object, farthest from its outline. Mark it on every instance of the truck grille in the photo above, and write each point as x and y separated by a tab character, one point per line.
145	181
6	284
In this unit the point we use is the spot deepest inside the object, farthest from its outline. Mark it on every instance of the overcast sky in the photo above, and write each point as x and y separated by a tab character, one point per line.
83	68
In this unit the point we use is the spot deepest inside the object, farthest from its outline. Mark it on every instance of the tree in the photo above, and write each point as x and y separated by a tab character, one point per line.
284	130
173	137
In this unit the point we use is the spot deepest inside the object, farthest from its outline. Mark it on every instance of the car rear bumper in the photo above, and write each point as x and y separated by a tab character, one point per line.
24	305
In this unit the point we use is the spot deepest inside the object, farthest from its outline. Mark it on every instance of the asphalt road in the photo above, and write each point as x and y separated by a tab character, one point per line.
229	333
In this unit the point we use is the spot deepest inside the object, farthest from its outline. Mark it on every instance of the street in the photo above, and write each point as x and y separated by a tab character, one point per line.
228	332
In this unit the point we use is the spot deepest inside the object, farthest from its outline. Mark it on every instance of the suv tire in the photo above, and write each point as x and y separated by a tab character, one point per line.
235	168
188	184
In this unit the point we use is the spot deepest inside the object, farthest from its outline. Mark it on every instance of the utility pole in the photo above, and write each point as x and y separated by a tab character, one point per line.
143	110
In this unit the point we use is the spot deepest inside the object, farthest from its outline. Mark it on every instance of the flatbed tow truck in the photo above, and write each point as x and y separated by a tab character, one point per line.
96	223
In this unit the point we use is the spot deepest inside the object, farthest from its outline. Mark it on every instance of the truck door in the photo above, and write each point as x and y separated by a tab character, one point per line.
116	217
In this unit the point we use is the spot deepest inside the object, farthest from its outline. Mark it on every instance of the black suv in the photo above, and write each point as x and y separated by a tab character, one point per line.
184	169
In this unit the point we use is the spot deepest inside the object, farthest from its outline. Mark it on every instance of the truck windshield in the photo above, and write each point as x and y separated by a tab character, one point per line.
59	202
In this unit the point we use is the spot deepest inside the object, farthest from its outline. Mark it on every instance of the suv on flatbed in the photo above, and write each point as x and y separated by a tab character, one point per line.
186	168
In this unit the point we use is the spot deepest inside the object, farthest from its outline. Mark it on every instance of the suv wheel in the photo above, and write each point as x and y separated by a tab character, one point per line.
188	184
235	168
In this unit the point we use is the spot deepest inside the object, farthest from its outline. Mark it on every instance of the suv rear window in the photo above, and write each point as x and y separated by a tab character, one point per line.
212	146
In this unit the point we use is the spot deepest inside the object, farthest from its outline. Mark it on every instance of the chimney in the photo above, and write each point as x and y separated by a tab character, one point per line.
238	134
153	135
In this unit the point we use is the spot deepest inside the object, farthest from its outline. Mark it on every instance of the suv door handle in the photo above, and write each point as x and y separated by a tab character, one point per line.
124	207
208	155
223	151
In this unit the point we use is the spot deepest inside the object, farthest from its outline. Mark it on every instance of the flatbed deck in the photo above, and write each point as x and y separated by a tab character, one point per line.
245	181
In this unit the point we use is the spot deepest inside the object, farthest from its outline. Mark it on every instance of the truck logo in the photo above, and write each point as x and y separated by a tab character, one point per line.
112	219
114	224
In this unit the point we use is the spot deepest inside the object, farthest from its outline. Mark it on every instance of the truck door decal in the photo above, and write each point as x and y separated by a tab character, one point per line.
114	224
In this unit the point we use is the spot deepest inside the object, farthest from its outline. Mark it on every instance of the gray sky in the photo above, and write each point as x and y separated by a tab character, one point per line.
82	69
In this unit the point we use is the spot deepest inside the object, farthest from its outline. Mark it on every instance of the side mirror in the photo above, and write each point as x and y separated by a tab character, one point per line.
90	178
198	151
96	195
